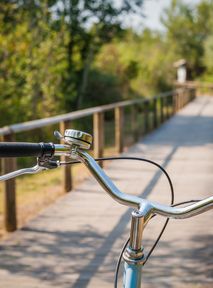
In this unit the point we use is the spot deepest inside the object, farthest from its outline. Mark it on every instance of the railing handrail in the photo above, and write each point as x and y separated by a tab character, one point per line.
34	124
195	84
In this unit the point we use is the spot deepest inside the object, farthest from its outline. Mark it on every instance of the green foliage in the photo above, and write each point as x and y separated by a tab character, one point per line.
84	43
187	28
141	63
57	56
102	89
208	60
33	61
46	51
208	56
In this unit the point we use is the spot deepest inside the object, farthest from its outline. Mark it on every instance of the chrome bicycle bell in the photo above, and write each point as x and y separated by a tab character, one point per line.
79	138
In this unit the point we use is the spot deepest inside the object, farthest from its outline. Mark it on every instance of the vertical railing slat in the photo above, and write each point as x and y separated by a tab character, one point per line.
173	103
155	116
178	100
119	121
167	107
10	212
146	116
98	135
134	122
162	109
66	169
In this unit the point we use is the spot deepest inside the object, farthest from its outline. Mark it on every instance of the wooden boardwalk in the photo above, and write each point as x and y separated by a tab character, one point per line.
75	242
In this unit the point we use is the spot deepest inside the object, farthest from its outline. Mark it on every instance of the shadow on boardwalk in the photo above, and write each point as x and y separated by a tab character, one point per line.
59	249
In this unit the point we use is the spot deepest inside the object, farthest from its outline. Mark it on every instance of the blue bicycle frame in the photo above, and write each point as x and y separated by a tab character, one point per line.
132	275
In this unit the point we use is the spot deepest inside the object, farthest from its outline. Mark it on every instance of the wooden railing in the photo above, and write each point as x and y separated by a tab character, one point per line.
202	88
162	107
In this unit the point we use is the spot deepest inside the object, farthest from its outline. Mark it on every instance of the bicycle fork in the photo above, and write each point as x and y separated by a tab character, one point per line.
133	256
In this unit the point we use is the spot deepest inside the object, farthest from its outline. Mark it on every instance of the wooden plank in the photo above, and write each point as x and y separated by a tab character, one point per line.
119	121
10	217
66	169
98	135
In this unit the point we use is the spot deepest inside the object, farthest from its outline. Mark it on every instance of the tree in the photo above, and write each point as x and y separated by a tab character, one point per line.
207	59
32	62
90	24
187	27
141	63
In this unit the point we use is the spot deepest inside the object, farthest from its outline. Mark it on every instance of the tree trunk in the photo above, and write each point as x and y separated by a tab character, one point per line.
85	76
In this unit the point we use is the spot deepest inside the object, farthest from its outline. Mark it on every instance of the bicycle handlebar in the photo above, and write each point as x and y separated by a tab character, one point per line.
145	208
75	149
23	149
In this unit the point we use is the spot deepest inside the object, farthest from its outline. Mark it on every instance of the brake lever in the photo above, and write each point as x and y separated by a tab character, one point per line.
33	170
42	164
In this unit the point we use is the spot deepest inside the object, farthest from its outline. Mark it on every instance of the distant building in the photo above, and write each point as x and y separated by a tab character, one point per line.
180	65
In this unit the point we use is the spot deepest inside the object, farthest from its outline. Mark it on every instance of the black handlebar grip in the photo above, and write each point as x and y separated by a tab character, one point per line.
22	149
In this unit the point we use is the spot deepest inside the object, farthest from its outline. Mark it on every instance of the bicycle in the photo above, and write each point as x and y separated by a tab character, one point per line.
76	144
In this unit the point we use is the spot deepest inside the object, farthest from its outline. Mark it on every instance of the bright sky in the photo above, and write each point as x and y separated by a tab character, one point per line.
152	10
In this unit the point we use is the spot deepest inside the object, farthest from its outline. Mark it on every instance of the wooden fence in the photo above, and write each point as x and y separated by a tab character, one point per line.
161	107
201	88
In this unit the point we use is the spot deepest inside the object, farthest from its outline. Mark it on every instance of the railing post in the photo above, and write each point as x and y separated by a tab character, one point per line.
134	122
181	99
66	169
98	133
184	97
146	116
189	98
10	213
161	109
178	100
167	107
193	93
155	116
172	104
119	129
174	97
